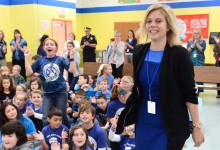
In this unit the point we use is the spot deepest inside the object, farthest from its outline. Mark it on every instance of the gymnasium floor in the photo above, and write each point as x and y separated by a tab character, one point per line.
210	117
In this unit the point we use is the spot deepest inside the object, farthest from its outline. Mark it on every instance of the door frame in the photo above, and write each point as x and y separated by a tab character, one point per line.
70	21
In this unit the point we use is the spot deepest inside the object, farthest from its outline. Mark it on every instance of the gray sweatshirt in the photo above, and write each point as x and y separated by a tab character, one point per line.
25	146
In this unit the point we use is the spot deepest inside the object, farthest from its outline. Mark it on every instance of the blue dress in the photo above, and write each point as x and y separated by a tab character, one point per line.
150	131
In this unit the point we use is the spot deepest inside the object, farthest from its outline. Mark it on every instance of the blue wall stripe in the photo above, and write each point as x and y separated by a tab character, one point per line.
41	2
110	8
145	6
4	2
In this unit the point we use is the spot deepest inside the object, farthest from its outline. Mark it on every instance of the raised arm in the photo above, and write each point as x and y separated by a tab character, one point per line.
28	68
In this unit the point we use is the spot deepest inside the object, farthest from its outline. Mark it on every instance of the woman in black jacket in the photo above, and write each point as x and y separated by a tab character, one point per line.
163	87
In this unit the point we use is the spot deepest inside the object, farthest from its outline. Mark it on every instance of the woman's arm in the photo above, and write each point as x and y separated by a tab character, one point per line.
197	133
120	48
4	49
22	49
201	47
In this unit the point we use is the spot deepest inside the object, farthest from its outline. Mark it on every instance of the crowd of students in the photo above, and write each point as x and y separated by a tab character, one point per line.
58	114
60	108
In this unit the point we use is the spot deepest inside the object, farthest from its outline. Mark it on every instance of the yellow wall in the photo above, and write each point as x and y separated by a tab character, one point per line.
27	18
102	24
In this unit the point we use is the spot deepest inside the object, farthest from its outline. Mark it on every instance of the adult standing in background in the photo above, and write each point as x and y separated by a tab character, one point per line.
196	47
216	51
18	46
71	38
130	44
88	44
3	49
40	50
164	87
116	55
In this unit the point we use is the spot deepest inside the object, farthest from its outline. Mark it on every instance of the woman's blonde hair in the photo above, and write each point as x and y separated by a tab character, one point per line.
172	34
200	32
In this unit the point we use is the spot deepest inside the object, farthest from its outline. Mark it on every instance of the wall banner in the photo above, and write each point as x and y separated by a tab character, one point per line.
187	24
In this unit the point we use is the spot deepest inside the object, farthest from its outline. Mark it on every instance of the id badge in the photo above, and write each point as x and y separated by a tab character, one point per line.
195	55
127	50
151	107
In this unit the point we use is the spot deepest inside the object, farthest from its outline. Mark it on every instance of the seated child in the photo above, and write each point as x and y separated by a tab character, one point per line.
4	71
7	91
105	71
14	137
104	85
101	111
34	111
83	84
126	139
16	76
96	134
20	100
78	139
79	99
52	133
21	88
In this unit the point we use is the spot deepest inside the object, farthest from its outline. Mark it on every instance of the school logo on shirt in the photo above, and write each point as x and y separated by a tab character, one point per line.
51	72
93	142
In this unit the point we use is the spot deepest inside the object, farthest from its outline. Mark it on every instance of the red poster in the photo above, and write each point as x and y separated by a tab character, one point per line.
187	24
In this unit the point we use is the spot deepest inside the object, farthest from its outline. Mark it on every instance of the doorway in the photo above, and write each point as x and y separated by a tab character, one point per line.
60	31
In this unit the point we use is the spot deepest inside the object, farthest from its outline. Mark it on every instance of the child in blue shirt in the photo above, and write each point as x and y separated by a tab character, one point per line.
51	68
83	83
96	134
105	71
10	110
104	85
126	139
116	106
54	131
34	111
20	100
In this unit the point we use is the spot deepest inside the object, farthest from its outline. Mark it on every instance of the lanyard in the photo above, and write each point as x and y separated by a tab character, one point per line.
148	79
51	66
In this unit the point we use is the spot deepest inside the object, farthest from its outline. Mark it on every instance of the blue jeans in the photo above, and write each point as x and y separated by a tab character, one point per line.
58	100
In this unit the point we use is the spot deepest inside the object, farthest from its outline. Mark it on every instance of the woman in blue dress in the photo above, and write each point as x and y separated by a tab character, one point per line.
164	87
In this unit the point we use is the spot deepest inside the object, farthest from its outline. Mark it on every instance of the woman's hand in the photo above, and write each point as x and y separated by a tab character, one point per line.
198	137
